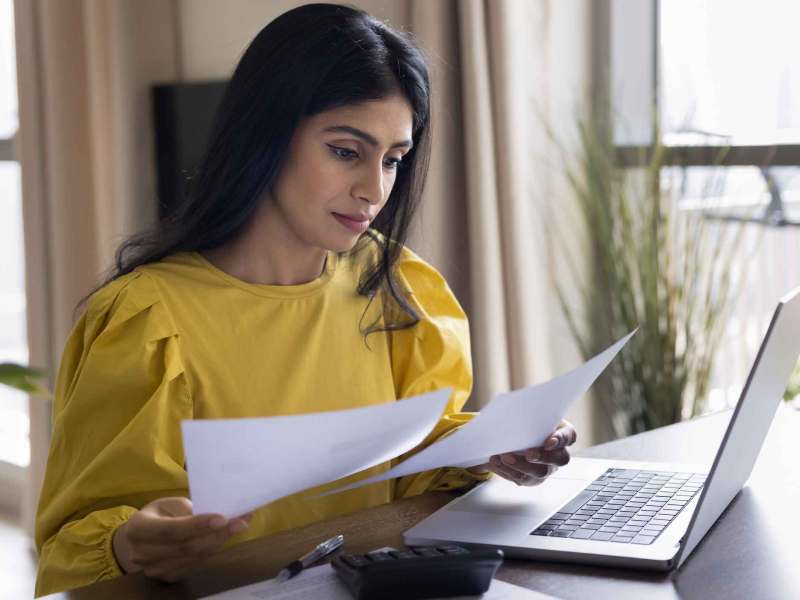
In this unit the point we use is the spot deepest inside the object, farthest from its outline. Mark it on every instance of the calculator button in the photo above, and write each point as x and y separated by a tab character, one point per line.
379	556
355	561
427	552
452	549
402	554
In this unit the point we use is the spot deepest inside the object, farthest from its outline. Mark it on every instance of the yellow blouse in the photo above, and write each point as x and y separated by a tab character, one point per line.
181	339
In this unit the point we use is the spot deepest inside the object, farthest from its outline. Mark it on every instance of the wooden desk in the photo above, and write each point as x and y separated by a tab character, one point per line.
752	552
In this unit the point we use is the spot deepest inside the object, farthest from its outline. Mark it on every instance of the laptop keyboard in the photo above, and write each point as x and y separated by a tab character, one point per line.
625	506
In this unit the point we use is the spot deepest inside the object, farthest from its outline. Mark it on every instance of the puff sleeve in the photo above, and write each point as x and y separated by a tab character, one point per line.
120	395
433	354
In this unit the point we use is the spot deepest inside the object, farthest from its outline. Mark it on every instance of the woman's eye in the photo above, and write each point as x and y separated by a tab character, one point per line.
348	154
343	153
393	163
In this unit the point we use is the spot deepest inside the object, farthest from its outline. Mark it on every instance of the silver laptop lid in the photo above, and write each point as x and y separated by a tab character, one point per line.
750	421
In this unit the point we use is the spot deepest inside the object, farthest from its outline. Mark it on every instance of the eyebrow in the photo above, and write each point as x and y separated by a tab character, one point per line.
365	136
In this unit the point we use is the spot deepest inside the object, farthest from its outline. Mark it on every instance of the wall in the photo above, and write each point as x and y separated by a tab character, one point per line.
214	34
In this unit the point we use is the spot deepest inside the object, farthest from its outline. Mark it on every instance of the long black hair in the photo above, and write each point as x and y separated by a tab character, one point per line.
308	60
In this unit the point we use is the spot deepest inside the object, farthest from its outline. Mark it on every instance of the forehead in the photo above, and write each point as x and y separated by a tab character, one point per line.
388	119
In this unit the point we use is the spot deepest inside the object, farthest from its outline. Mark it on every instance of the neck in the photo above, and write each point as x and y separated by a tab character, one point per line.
267	252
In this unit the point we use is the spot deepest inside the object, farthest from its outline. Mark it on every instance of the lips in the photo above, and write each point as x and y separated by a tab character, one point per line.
355	223
355	217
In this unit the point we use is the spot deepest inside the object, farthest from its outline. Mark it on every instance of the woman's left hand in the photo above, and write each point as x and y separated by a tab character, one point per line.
534	465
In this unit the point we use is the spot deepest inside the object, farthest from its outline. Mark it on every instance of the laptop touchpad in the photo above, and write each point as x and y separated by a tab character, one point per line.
500	496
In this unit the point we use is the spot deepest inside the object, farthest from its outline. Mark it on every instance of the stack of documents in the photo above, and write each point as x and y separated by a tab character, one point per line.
232	462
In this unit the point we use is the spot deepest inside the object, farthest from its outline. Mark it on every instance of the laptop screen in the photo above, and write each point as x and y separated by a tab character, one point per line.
751	420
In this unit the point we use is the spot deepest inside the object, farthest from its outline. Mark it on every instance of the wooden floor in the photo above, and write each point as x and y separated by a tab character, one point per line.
18	562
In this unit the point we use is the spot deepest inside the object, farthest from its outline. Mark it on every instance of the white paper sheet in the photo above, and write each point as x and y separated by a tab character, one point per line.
510	422
238	465
322	583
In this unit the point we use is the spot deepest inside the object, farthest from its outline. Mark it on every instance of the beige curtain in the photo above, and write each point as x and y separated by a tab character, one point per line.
439	233
504	72
84	70
503	47
483	218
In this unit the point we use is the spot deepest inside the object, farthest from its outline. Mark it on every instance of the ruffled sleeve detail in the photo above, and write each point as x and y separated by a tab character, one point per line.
434	354
120	395
90	542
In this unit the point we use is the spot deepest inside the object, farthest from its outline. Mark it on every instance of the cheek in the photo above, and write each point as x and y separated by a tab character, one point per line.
309	183
389	183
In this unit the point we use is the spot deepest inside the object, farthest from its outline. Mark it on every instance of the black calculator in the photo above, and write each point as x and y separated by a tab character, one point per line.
420	572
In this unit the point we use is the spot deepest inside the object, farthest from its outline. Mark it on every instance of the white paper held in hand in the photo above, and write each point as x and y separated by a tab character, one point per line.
238	465
510	422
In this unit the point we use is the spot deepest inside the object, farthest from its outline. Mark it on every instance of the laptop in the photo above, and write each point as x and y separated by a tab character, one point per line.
646	515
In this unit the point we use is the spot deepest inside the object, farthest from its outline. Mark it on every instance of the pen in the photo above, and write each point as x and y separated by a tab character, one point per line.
321	551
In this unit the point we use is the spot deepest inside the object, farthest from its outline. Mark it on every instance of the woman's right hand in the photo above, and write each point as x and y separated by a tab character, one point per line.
164	537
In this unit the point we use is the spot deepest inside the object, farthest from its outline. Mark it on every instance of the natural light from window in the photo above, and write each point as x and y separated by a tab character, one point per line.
730	69
14	440
729	76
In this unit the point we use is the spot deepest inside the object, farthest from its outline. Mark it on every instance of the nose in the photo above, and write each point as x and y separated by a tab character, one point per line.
370	184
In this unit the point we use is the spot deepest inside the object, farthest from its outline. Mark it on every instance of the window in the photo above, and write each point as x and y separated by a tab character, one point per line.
723	75
729	77
729	69
14	444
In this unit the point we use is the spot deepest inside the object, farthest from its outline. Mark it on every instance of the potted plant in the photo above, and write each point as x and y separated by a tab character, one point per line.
664	270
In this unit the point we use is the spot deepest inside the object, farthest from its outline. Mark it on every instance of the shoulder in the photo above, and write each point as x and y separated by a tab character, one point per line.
125	329
133	298
133	290
418	275
422	284
146	287
414	272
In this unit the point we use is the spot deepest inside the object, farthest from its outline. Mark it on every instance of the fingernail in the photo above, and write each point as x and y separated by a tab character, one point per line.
217	522
550	443
238	526
534	455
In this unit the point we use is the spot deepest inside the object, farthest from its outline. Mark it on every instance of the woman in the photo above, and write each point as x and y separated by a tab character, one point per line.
282	286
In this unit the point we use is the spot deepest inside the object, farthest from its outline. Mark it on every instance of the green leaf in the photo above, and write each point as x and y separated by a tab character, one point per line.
23	378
